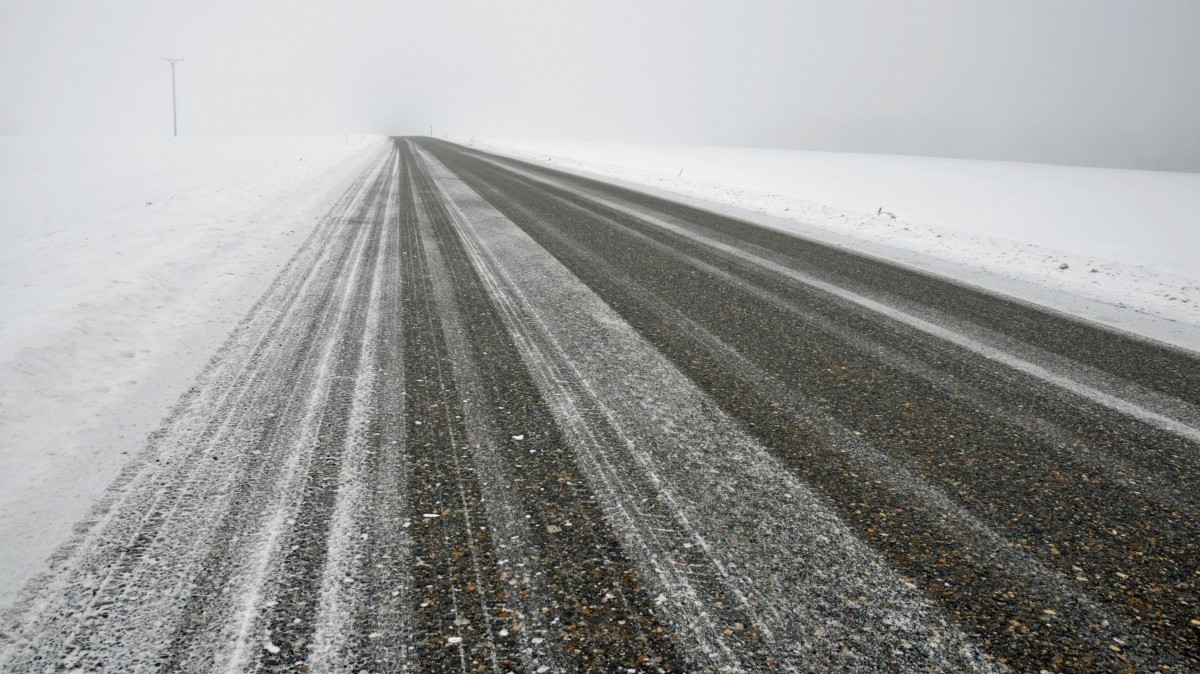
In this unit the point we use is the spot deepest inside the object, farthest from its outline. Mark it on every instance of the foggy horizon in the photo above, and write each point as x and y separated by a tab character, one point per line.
1112	84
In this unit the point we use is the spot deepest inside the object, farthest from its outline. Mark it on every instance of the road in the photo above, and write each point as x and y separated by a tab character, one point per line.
495	417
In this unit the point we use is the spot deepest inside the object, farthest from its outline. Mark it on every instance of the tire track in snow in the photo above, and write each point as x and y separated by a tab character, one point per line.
319	537
460	615
342	591
382	619
506	525
572	601
131	566
284	512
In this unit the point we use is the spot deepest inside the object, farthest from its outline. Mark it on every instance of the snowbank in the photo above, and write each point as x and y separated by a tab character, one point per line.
124	264
1116	246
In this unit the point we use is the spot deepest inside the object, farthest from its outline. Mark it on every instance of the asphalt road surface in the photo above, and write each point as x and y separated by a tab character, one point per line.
494	417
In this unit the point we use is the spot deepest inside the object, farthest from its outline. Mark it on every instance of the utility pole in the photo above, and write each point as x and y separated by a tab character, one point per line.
174	113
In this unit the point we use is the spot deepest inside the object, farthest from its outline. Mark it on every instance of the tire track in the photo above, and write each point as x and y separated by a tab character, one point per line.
575	603
341	591
132	566
456	577
317	542
381	631
281	512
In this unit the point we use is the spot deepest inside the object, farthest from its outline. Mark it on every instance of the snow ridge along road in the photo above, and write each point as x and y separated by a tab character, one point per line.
495	417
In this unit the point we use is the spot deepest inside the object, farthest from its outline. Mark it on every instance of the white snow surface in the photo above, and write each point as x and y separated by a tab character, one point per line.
1130	240
124	265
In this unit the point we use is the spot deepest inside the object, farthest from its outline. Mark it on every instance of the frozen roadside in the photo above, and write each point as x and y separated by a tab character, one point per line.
1113	246
124	265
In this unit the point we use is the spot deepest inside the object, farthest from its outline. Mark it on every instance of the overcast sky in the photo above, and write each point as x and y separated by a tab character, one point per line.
1093	82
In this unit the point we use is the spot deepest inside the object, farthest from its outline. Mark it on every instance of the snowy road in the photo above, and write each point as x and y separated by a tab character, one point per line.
498	418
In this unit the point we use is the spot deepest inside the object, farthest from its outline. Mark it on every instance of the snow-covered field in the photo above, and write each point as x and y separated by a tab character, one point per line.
124	264
1116	246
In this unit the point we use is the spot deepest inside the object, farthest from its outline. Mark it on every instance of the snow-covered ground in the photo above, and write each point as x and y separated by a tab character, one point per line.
124	264
1116	246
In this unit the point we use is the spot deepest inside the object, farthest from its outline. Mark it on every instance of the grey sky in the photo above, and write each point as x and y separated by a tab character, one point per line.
1096	82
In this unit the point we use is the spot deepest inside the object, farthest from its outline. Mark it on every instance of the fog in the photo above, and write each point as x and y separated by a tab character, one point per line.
1092	82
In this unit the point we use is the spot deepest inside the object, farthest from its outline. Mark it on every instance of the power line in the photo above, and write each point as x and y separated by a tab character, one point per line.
174	114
